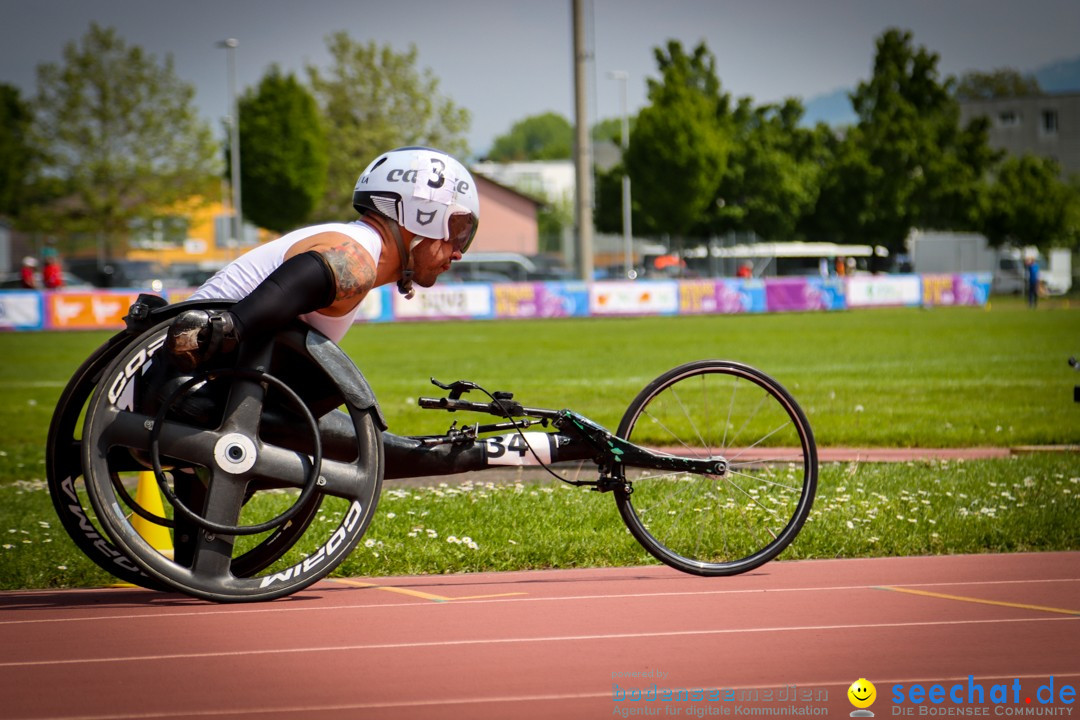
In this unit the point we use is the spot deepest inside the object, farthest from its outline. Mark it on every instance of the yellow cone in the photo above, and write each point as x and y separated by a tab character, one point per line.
148	496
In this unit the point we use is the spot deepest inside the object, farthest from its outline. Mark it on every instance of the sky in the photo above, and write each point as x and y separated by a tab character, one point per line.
505	60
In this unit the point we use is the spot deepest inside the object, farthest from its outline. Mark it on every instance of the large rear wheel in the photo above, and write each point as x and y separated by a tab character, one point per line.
238	455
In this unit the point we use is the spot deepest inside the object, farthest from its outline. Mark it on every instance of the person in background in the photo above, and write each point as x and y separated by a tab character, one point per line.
51	275
28	273
1032	281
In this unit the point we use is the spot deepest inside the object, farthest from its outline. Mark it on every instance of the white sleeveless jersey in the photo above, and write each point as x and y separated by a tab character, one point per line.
237	279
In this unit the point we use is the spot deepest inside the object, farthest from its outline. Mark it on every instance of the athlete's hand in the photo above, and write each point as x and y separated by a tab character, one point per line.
195	336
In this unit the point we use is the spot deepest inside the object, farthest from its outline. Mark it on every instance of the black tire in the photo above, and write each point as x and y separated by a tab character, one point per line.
64	470
719	524
64	474
120	431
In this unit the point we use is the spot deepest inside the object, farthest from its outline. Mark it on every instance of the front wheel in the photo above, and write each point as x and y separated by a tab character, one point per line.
728	523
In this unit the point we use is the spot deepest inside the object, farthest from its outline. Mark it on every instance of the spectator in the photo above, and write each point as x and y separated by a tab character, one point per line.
28	273
1032	281
51	275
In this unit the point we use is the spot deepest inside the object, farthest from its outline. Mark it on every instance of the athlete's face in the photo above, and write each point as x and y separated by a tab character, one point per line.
432	258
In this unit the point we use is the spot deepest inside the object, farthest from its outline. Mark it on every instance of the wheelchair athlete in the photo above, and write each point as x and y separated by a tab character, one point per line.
419	212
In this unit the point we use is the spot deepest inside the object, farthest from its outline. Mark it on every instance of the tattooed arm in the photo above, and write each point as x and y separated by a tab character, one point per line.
352	266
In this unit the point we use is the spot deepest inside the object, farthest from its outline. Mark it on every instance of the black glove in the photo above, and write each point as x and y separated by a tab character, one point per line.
195	336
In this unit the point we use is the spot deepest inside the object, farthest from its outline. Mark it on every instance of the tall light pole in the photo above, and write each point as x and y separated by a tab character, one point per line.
582	151
230	46
628	235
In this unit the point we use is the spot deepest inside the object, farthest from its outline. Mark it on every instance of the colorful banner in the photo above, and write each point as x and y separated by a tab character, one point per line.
541	300
88	310
21	310
707	297
965	289
644	297
804	293
105	309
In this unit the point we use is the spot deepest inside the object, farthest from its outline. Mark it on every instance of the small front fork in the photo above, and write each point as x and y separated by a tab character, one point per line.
613	478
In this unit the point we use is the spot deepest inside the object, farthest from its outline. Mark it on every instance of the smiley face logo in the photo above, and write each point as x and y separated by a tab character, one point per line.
862	693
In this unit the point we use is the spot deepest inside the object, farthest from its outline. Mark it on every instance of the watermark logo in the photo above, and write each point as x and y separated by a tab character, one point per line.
862	695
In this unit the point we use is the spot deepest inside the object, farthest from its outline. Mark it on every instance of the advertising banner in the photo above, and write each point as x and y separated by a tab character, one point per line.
804	293
707	297
461	301
88	310
883	290
21	310
541	300
965	289
644	297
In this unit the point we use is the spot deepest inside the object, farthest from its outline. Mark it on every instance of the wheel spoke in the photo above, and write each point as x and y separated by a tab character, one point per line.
729	523
288	468
243	411
224	501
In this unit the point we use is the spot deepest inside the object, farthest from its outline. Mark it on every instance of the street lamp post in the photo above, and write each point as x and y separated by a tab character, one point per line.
230	46
628	236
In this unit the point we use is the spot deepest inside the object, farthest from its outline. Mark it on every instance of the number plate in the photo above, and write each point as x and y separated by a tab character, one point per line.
511	449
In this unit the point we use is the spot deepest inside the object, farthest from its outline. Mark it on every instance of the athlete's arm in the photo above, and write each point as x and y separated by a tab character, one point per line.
329	273
350	264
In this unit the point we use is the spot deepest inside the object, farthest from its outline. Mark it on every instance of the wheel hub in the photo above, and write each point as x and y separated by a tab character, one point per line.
235	453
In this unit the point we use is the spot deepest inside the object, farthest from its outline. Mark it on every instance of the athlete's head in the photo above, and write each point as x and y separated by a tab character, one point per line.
425	191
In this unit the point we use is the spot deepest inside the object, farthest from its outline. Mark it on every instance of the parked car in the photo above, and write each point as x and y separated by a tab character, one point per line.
507	266
138	274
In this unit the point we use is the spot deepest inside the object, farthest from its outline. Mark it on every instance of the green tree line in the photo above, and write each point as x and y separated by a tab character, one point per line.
111	138
703	165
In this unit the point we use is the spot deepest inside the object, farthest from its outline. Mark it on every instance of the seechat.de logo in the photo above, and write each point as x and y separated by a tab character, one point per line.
862	695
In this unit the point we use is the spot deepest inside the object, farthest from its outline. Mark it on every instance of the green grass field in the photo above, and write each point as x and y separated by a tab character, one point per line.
890	378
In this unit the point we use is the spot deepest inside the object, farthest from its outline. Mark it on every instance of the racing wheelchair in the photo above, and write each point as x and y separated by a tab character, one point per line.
713	466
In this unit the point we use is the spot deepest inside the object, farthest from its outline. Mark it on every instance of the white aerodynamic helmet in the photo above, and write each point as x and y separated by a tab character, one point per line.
425	191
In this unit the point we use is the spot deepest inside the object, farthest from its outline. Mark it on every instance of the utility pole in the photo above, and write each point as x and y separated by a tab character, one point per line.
628	234
582	152
230	46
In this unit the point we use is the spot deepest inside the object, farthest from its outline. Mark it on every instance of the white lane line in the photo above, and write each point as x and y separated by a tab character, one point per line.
523	640
166	615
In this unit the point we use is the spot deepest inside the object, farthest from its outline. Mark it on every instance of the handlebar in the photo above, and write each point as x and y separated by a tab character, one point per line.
498	407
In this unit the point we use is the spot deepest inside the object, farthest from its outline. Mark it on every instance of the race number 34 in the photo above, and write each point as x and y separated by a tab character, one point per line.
513	449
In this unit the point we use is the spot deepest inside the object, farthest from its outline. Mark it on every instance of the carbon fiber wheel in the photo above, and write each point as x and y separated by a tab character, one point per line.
238	455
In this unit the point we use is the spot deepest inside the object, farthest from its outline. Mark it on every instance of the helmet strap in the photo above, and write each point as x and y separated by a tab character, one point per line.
405	284
383	224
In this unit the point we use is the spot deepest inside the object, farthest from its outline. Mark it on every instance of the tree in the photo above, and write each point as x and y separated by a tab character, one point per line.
539	137
1030	205
372	100
283	152
119	135
907	163
15	154
772	176
1000	83
679	145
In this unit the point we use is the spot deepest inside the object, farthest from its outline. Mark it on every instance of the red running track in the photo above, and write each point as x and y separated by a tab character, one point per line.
786	639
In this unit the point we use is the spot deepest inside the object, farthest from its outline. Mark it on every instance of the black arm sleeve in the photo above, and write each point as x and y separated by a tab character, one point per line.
301	285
